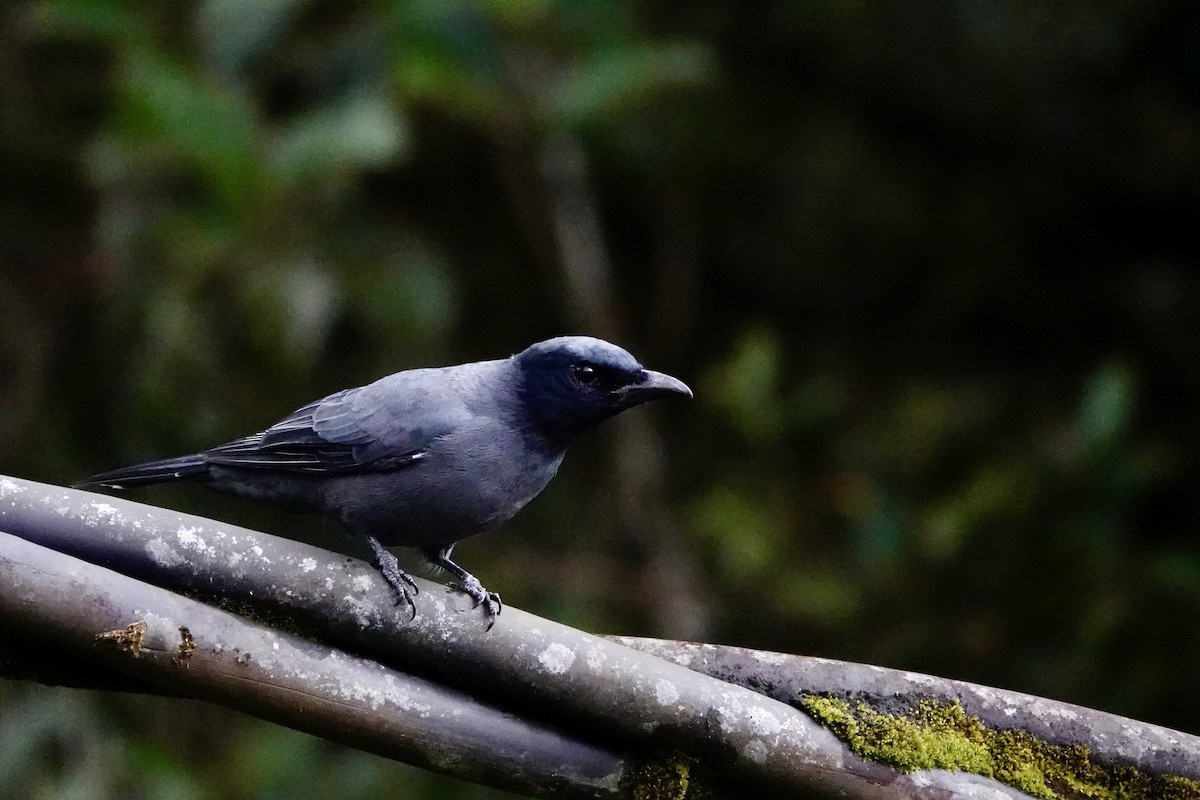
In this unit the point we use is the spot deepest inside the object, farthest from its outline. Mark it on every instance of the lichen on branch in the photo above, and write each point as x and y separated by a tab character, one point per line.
930	734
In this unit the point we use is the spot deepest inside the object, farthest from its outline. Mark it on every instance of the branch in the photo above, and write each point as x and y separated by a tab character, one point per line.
536	668
130	628
541	673
1163	762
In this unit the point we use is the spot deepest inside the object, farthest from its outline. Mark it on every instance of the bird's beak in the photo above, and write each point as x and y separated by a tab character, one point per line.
654	386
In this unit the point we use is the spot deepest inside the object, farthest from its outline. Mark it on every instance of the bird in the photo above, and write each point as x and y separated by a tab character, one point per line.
426	457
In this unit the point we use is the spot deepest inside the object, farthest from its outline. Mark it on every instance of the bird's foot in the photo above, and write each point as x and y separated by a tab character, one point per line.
467	583
492	606
402	584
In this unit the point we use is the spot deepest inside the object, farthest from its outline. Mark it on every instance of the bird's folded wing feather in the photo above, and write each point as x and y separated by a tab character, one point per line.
350	431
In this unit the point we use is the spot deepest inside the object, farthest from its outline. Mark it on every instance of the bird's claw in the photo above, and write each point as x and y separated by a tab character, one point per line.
404	587
403	596
492	605
405	590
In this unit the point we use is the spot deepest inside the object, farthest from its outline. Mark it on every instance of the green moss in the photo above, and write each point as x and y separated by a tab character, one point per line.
937	735
664	778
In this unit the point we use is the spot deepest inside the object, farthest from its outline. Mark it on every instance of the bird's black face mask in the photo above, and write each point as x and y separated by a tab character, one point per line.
570	389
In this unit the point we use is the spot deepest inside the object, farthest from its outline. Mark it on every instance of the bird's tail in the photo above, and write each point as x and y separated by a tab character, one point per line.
193	467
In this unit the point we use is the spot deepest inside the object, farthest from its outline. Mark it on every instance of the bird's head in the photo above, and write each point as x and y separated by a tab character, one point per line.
570	383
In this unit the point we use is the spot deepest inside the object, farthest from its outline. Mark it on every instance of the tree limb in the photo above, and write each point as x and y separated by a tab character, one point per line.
536	670
1112	741
164	639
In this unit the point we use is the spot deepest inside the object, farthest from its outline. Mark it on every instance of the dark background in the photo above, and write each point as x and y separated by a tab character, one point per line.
930	267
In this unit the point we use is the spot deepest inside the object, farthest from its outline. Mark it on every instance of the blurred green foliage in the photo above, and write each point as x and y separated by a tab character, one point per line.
930	265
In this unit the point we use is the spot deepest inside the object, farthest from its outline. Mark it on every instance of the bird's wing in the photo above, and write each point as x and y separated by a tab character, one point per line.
355	430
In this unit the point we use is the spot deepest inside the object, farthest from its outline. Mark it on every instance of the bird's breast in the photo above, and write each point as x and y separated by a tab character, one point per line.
527	486
455	490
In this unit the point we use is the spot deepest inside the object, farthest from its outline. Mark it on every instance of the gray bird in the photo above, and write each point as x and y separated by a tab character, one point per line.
426	457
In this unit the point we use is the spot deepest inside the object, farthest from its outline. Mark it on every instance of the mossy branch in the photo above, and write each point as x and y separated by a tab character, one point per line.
912	722
532	705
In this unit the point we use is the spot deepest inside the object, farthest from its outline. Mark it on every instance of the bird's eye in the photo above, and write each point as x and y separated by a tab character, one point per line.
585	373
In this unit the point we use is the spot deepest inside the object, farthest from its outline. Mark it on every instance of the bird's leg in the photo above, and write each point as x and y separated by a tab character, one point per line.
397	578
468	583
